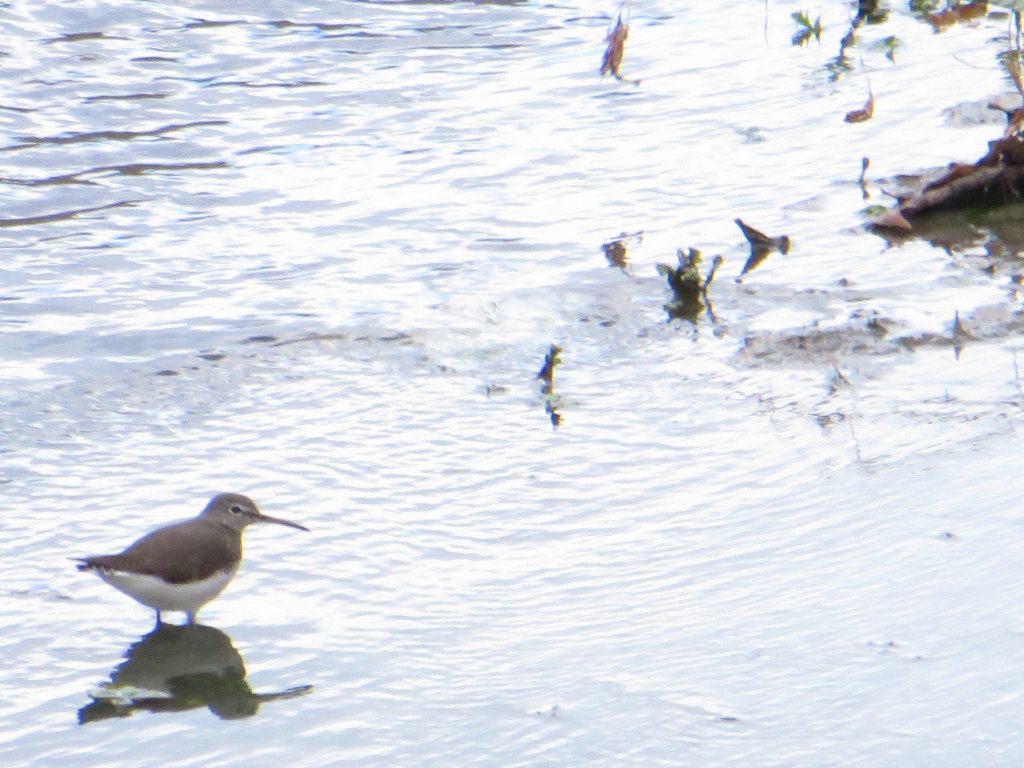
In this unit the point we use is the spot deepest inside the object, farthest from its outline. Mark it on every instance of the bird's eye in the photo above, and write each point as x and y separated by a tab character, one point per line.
235	509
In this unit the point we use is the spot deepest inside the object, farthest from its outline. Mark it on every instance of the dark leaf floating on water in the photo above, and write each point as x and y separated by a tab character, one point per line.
760	246
613	53
616	46
860	115
615	249
547	371
547	376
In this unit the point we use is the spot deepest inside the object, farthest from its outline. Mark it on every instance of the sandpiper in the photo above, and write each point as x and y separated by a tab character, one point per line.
183	566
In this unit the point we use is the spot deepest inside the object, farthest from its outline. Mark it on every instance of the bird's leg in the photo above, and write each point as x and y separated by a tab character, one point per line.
191	617
159	620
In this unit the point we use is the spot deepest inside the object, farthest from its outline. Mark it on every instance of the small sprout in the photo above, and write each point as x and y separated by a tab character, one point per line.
961	12
615	252
890	45
806	30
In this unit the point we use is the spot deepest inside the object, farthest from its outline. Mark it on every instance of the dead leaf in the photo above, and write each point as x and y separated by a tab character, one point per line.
760	245
616	46
860	115
957	13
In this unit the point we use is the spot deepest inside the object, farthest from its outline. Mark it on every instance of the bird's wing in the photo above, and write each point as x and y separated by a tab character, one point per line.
198	554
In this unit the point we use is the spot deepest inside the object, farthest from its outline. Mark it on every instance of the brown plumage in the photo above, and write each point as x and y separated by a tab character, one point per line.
201	547
183	566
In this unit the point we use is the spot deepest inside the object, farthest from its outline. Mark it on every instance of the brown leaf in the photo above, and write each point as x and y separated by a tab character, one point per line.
615	252
760	245
860	115
616	45
950	16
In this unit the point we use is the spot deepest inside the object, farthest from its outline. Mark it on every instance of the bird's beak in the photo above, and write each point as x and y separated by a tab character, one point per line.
261	518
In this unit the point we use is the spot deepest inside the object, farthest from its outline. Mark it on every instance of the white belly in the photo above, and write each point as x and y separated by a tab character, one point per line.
158	594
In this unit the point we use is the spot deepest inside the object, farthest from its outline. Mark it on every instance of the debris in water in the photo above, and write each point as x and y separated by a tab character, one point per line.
616	46
960	335
615	249
760	246
996	177
688	288
806	30
860	115
547	376
956	14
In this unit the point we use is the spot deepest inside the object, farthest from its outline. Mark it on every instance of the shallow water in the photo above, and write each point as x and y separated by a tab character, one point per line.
317	255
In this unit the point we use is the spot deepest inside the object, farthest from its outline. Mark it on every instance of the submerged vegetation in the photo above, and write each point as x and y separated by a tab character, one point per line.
616	252
997	177
547	388
805	29
688	287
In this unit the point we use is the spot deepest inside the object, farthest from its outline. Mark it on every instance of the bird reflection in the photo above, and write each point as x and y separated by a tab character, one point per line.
178	668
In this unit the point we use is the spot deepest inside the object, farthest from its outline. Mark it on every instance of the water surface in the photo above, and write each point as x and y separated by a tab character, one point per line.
318	254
